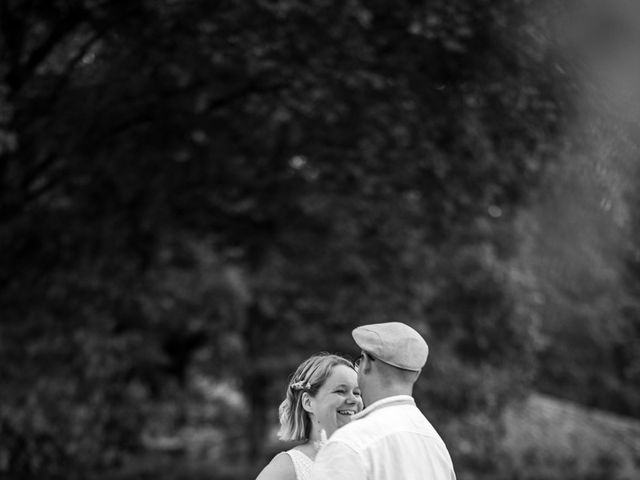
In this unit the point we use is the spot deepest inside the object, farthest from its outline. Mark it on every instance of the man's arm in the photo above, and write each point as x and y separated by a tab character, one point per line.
338	461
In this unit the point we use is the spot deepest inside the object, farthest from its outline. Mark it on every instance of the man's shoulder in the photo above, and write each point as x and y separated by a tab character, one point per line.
355	431
384	422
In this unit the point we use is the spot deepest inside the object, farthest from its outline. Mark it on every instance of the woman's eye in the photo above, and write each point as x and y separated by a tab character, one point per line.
357	392
340	391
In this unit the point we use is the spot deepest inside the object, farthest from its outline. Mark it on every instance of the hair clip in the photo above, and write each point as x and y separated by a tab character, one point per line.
300	386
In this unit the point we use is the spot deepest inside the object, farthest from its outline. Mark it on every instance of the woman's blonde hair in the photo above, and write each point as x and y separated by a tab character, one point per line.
310	375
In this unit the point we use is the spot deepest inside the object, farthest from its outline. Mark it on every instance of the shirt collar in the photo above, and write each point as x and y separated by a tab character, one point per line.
386	402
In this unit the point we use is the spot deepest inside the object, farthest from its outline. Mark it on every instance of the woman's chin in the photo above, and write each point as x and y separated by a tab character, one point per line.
342	421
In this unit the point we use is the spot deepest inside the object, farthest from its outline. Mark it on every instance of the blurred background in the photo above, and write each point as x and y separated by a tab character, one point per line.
197	195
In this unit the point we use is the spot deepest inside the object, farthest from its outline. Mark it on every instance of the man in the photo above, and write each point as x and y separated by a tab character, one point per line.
390	439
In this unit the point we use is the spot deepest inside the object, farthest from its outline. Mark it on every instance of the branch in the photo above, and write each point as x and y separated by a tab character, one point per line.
64	78
251	87
145	117
37	191
58	33
39	169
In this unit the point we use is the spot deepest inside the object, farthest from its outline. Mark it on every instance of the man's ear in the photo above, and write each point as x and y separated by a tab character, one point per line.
368	365
307	402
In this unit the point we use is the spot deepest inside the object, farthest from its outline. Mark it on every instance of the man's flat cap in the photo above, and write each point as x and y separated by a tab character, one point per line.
394	343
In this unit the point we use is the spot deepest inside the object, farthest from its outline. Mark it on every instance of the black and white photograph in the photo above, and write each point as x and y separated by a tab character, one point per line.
319	240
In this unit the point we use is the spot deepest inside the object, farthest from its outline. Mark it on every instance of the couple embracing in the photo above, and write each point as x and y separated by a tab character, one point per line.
390	439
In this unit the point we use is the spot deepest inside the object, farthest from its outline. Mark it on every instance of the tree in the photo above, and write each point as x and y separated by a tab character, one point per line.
344	162
578	253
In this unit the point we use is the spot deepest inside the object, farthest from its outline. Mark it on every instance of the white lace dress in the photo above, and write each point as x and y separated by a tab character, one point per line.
301	463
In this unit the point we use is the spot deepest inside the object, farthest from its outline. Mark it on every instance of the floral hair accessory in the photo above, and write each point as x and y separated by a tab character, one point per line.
300	386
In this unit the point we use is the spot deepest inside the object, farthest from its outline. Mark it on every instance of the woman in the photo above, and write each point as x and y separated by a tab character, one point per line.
321	397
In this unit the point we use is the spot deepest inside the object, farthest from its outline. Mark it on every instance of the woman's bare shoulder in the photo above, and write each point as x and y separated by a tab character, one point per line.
279	468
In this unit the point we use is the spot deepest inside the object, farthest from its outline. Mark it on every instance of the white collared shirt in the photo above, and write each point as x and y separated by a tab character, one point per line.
389	440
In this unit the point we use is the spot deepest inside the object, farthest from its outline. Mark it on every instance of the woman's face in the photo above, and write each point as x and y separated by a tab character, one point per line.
336	401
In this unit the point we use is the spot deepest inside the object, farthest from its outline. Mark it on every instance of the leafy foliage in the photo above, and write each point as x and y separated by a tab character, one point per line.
218	189
580	247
